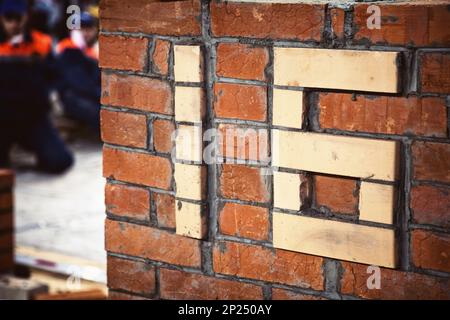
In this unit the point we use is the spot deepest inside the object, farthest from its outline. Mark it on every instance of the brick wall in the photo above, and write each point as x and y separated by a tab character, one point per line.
6	221
351	126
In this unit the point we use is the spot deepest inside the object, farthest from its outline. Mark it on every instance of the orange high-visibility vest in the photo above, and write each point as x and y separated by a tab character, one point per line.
69	44
40	44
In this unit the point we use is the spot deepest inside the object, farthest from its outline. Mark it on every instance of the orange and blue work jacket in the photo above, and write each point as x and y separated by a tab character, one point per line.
39	45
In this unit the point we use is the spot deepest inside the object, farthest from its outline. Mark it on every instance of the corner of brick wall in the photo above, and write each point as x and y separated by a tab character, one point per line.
148	260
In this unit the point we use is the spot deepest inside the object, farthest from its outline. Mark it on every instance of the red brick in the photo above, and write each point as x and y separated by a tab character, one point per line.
272	265
435	72
431	161
6	178
337	22
154	17
245	143
136	92
133	276
337	194
394	284
382	114
238	101
243	183
123	53
244	221
6	200
127	201
151	243
279	21
162	135
179	285
252	61
431	205
165	210
430	250
418	24
123	128
137	168
114	295
161	57
281	294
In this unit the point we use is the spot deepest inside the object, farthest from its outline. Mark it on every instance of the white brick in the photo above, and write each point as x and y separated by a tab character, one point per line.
334	239
287	108
189	143
375	71
190	181
376	203
339	155
190	221
286	190
187	64
189	104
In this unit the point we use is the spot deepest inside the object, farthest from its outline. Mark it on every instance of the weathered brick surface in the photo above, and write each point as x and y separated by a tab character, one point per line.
430	250
239	101
123	53
125	129
381	114
244	221
160	61
180	285
139	168
162	135
337	22
431	205
255	262
6	200
337	194
245	143
134	276
405	24
164	18
127	201
165	210
252	61
282	294
430	161
243	183
279	21
137	92
394	284
145	242
435	72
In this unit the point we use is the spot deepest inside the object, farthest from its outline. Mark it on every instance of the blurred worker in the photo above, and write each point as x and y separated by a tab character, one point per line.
25	77
80	84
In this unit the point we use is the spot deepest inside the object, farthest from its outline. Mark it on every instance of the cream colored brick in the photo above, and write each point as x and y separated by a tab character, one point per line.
376	203
187	64
286	190
190	181
190	221
375	71
189	143
287	108
339	155
189	104
334	239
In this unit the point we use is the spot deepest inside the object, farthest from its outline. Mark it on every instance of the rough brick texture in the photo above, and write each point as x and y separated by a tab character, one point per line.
241	69
389	115
6	221
123	53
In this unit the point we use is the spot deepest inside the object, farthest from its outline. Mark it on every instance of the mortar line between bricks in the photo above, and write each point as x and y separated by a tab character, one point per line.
141	186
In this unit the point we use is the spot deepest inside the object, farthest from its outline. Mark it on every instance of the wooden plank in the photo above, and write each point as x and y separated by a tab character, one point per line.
375	71
189	104
376	202
190	181
334	239
339	155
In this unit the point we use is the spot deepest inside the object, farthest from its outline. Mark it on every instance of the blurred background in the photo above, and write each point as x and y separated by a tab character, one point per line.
49	137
